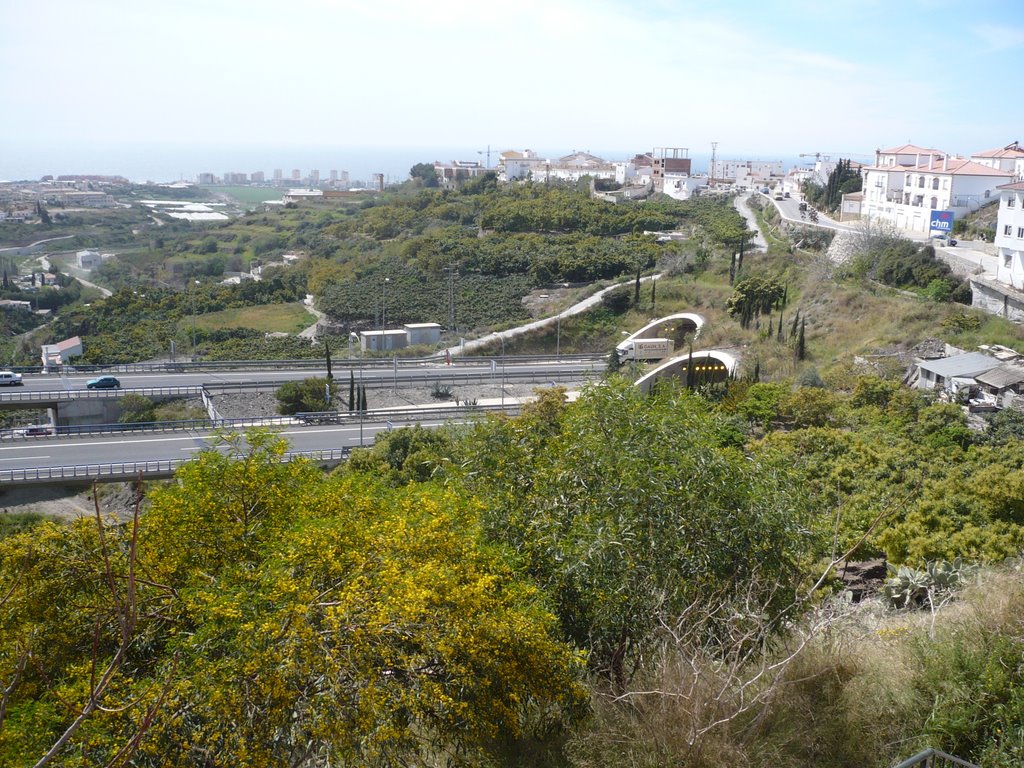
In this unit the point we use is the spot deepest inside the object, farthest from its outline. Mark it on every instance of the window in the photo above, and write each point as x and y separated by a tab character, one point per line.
1006	259
920	181
935	203
935	183
1011	201
1020	232
1008	230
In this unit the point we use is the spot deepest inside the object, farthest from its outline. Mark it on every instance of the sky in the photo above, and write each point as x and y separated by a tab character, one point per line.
760	78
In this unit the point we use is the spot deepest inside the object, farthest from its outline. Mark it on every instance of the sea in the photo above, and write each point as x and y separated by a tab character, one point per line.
165	163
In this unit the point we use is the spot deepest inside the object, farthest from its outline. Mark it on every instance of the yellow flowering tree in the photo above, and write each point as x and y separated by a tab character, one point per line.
285	618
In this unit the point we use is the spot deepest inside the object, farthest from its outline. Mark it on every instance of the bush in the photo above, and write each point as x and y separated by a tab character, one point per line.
308	395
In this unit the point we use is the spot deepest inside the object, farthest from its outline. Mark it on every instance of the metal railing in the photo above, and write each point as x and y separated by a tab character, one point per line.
113	472
313	363
933	758
67	395
380	415
379	381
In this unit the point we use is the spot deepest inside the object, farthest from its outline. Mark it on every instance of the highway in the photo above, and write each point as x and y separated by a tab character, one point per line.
84	456
371	374
117	449
32	459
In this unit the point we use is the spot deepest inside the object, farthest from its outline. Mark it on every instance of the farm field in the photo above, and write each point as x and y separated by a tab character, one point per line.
269	318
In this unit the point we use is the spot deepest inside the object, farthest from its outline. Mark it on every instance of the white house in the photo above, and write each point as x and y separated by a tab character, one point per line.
1010	235
514	165
575	166
1009	158
907	184
88	259
450	174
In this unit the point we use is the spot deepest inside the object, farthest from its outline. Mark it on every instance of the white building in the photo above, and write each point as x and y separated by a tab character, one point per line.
88	259
907	184
450	174
575	166
514	165
1010	159
1010	235
422	333
747	173
382	341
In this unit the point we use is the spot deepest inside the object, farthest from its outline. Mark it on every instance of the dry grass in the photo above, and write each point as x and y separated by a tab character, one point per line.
867	690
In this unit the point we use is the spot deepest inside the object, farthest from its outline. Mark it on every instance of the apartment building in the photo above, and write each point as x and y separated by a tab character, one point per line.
1009	158
1010	234
907	185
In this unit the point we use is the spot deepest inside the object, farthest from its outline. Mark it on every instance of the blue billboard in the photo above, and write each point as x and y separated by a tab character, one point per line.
942	221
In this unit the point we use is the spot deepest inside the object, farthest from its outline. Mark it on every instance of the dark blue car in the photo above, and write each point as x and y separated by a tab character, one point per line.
103	382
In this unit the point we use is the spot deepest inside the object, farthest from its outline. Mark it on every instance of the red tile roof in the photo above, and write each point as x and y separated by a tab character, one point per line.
910	149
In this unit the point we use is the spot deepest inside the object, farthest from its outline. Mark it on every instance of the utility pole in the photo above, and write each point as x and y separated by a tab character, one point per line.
711	171
452	271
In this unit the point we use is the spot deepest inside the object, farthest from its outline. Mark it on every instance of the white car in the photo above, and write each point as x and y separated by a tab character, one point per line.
10	379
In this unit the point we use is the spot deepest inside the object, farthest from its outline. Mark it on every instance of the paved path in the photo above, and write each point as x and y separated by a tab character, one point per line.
311	331
740	204
474	345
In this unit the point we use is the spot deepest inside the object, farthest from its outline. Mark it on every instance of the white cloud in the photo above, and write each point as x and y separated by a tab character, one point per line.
999	37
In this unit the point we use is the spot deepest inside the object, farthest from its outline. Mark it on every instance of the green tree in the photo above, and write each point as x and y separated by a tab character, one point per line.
626	508
424	172
755	296
308	395
135	409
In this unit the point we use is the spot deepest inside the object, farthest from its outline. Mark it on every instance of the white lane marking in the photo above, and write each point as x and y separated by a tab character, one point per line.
25	458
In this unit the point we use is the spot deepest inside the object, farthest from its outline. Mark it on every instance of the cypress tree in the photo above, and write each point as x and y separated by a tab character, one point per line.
351	391
800	348
796	322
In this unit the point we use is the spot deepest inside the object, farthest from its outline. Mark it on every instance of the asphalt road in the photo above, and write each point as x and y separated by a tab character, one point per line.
34	383
118	449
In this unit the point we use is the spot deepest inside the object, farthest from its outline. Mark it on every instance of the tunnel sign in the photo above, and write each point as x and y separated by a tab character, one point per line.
942	221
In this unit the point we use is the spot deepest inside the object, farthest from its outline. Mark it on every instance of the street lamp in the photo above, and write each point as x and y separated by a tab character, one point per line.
192	297
359	395
502	340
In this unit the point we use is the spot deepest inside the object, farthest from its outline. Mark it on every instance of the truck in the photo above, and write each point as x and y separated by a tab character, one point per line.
646	349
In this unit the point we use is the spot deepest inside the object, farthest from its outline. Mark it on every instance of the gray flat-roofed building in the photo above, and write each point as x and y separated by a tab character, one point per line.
423	333
940	374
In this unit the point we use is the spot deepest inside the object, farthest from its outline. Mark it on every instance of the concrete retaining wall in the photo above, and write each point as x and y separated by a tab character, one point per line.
997	299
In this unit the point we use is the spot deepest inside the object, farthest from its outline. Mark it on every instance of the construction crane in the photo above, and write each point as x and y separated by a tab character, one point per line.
828	156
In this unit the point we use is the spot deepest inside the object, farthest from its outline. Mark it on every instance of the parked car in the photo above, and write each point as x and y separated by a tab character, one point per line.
103	382
10	379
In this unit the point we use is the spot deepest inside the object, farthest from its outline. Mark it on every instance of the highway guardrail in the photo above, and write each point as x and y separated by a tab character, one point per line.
125	471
